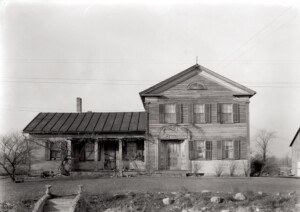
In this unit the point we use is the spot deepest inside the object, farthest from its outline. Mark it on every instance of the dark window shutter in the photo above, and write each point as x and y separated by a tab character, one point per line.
236	113
47	150
99	151
208	113
236	150
161	113
219	150
219	113
179	113
63	149
192	150
191	113
208	149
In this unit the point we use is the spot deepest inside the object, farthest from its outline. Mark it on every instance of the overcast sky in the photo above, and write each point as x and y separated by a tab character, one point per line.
108	51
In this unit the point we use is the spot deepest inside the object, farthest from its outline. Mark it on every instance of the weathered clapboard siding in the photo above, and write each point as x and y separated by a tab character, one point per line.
213	89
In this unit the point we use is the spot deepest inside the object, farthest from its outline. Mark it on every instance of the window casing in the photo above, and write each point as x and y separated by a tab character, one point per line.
89	152
227	113
228	148
55	150
199	113
170	113
203	150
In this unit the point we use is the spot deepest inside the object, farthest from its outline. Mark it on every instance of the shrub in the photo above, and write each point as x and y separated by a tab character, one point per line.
219	168
232	168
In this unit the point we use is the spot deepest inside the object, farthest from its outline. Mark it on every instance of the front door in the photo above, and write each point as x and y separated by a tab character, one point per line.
173	151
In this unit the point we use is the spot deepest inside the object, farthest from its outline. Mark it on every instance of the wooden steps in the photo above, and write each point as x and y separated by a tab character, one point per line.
58	205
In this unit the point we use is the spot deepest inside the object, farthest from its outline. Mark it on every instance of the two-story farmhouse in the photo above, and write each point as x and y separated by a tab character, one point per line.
195	121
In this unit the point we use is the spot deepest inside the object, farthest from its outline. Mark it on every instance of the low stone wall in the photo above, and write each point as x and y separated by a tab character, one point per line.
39	205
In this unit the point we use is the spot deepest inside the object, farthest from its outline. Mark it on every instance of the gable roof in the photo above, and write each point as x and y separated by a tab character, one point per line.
188	73
295	137
87	123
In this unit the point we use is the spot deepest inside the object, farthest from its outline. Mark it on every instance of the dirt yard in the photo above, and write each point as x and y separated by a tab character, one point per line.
147	193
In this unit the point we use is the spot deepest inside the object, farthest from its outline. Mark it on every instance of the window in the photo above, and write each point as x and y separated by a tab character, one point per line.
228	113
133	151
89	151
201	150
227	116
199	113
170	113
55	150
228	149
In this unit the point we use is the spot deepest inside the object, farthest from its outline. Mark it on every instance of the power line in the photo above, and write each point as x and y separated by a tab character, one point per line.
260	31
276	85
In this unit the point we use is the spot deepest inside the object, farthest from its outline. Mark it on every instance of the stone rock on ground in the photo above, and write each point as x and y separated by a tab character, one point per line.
292	193
239	196
205	191
216	199
224	210
260	193
167	201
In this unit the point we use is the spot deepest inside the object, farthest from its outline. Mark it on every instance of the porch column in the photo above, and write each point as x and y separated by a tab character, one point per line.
69	142
69	154
96	156
120	156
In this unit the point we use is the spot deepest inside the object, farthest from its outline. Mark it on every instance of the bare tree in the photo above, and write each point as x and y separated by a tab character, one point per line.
263	139
14	152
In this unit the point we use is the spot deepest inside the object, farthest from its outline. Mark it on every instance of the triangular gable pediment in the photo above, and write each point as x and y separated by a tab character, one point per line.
196	72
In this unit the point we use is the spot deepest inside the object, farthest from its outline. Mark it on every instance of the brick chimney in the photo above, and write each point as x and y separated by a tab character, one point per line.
79	105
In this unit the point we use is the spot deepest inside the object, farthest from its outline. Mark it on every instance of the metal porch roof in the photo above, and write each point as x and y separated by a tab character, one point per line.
87	123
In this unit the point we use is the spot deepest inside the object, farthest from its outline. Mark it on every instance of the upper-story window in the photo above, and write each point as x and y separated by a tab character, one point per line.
170	113
199	113
228	113
227	116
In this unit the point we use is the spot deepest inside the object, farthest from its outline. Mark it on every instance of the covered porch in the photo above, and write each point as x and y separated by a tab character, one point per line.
125	153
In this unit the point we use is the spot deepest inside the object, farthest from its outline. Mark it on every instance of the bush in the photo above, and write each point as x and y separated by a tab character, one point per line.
232	168
219	168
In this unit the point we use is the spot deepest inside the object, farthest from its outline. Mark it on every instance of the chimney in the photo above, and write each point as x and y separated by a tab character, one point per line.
79	105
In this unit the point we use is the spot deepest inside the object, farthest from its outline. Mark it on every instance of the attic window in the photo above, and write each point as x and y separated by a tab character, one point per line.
196	86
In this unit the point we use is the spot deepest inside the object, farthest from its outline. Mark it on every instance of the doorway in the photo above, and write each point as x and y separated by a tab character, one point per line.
173	155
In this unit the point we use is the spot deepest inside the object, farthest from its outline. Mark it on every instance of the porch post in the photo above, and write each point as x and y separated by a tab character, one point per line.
120	156
96	156
69	153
